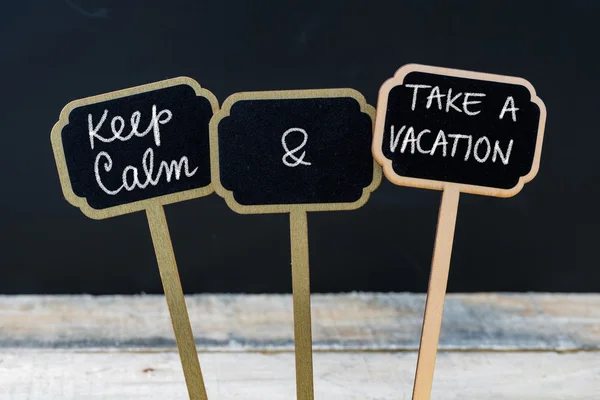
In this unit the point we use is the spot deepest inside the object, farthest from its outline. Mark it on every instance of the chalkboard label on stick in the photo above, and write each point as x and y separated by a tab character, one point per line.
456	131
439	126
139	149
294	150
123	151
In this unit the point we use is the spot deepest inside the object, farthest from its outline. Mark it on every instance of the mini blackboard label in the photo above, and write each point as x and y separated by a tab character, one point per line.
439	126
305	149
122	151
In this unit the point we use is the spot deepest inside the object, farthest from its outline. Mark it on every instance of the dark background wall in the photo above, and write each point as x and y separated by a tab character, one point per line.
544	239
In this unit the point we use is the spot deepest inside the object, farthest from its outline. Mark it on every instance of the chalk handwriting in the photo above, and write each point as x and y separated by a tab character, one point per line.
435	94
130	175
509	102
290	154
482	150
117	125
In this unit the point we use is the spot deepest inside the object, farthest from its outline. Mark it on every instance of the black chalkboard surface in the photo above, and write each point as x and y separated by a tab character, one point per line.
457	131
58	51
481	131
292	152
308	147
118	151
139	149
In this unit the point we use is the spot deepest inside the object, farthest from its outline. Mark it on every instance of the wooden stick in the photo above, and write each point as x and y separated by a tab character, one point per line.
434	306
176	302
301	297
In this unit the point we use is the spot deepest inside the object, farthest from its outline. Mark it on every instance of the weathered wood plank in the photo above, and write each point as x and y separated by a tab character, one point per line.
31	374
363	321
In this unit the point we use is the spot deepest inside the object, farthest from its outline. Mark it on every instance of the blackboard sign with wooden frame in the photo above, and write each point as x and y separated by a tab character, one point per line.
440	127
296	150
139	149
456	131
128	150
292	152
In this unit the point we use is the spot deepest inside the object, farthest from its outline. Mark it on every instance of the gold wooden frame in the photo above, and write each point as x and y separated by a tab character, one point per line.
298	223
139	205
224	112
157	223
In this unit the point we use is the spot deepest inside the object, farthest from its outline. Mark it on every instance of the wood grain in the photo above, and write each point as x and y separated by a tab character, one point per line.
436	293
493	347
301	301
353	322
169	275
32	374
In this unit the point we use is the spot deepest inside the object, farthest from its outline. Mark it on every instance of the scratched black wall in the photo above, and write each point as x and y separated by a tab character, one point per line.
544	239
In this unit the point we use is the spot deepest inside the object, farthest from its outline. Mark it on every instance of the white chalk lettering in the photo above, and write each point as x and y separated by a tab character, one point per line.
485	140
107	167
498	152
156	121
470	145
509	102
175	167
93	132
135	122
117	131
117	125
409	137
467	103
440	140
130	176
395	139
435	94
482	150
419	148
455	144
415	90
132	185
450	101
292	153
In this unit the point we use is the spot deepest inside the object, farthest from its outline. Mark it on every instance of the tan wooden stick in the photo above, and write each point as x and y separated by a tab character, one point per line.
434	306
301	296
176	302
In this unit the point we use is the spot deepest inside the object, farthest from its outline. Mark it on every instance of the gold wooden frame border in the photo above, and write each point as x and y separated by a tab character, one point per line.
398	80
224	112
61	164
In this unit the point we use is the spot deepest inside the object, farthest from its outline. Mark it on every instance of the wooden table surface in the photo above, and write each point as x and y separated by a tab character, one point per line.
493	347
